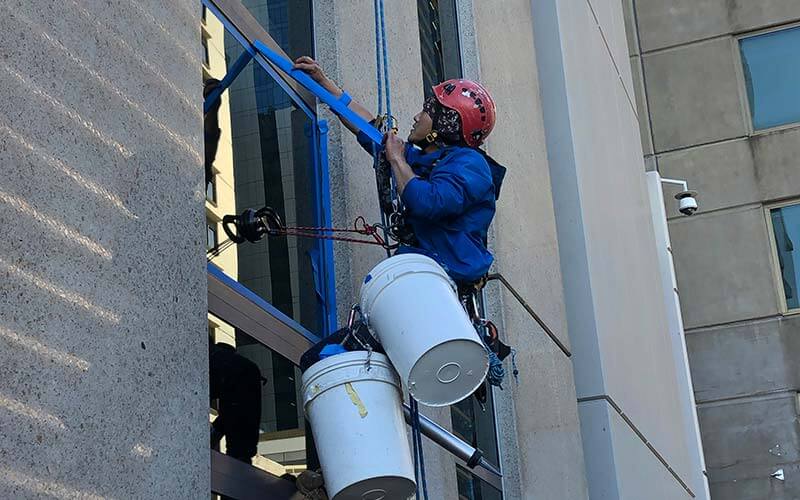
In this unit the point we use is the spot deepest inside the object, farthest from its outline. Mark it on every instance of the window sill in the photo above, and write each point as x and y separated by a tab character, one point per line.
773	130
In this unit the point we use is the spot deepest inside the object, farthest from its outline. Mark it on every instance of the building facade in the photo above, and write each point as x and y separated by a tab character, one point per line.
717	87
107	296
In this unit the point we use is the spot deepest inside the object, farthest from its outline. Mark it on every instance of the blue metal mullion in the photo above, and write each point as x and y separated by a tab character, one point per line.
328	266
233	30
226	82
317	256
335	103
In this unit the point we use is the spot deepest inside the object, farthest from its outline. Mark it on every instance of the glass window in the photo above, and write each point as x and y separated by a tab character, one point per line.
211	190
277	16
271	165
270	162
772	76
206	57
475	425
251	383
439	47
211	234
786	228
471	487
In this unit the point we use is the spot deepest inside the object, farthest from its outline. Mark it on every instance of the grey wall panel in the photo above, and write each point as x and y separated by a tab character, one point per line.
103	335
760	168
722	262
723	174
777	163
745	359
675	22
694	94
746	441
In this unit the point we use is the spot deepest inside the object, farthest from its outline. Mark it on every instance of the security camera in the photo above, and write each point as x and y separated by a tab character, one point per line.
687	202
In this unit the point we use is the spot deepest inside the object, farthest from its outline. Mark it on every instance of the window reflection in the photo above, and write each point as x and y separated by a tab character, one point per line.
475	425
439	47
265	157
786	226
772	76
471	487
239	364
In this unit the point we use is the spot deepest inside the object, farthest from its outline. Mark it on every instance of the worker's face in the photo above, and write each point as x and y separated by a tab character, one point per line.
423	124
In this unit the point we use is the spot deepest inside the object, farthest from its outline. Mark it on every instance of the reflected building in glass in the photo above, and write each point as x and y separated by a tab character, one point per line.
264	159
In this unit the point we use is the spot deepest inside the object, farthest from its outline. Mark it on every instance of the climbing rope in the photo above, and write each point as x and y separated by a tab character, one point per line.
496	372
419	458
252	226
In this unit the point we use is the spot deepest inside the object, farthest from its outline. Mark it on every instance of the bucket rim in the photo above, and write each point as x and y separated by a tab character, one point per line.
332	372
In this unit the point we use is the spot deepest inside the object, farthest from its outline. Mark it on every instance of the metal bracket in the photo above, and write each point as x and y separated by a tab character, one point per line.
499	277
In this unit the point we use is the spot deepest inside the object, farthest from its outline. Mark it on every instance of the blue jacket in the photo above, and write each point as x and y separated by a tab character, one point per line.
450	205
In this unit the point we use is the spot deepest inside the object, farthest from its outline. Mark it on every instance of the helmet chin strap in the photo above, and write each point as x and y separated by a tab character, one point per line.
429	140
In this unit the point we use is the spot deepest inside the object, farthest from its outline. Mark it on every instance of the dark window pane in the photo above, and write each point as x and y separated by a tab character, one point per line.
471	487
205	52
439	47
786	224
271	165
475	425
280	440
211	234
772	75
277	16
211	190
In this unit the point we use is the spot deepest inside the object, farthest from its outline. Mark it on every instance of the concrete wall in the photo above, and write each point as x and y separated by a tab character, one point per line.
690	86
103	378
632	432
545	426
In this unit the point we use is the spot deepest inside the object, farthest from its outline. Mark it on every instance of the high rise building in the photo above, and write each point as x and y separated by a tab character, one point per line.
717	92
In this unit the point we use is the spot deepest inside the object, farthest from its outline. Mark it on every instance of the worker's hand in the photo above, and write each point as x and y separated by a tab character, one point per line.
394	146
312	68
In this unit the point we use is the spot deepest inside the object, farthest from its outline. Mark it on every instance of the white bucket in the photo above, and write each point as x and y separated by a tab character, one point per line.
356	415
412	308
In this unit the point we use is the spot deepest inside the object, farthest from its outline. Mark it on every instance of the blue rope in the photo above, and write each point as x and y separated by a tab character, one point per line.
414	443
496	370
419	458
378	37
385	52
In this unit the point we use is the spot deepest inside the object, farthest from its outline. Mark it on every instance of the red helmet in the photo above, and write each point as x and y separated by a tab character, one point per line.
474	105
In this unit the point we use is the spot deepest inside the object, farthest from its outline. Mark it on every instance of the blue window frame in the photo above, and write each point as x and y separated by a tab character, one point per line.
279	159
772	77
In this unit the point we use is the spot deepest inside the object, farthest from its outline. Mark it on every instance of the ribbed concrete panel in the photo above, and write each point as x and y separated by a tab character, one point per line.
103	346
675	22
694	95
723	267
746	441
745	359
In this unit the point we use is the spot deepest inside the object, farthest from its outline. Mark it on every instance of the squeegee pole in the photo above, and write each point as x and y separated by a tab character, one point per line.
471	456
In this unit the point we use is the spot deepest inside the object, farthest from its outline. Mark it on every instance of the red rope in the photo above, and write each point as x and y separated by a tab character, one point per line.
360	226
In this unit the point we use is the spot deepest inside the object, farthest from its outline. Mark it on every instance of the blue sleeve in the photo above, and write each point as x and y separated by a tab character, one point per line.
365	142
453	186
